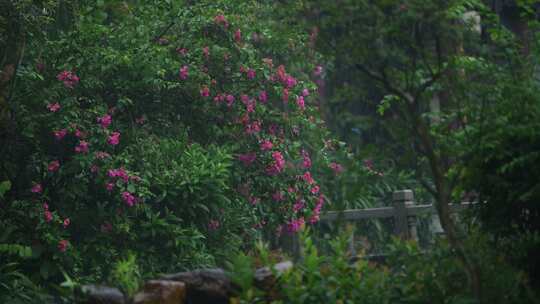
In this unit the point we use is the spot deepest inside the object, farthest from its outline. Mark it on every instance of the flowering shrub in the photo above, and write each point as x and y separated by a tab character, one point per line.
154	141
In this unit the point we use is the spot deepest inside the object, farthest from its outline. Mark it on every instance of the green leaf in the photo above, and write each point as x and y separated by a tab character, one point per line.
5	186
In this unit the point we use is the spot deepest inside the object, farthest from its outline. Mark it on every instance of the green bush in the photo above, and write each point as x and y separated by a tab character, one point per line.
174	130
407	275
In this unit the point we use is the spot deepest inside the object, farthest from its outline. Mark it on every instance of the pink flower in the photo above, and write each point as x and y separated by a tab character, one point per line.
290	81
263	97
45	206
206	52
59	134
102	155
266	145
315	190
278	164
120	172
182	51
53	166
68	78
314	218
305	92
251	74
78	133
219	98
109	186
220	19
295	225
105	121
230	100
300	102
250	106
254	200
213	225
48	216
285	95
337	168
63	245
277	196
306	160
318	70
66	222
205	91
238	36
299	205
53	107
247	158
37	188
114	139
94	168
244	98
82	147
308	178
253	127
128	198
184	72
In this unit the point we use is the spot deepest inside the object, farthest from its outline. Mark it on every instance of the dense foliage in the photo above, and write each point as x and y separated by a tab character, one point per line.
141	137
170	130
407	275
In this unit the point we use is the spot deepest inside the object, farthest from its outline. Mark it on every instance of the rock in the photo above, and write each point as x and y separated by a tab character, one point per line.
211	286
95	294
264	277
161	292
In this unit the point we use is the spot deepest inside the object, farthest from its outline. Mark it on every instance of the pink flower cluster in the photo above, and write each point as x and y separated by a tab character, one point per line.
337	168
287	80
295	225
102	155
317	210
114	139
118	173
53	166
220	20
277	165
253	127
82	147
37	188
205	91
63	245
266	145
48	216
247	159
53	107
105	121
68	78
306	160
184	71
59	134
129	198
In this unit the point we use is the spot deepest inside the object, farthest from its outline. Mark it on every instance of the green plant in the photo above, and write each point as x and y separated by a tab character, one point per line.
126	275
406	274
